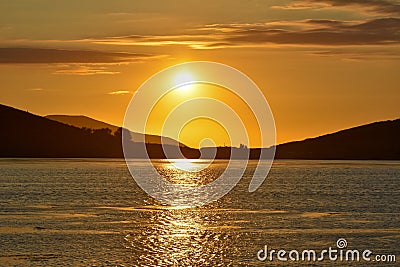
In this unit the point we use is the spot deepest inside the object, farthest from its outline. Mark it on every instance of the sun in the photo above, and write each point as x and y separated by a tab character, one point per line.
183	78
184	82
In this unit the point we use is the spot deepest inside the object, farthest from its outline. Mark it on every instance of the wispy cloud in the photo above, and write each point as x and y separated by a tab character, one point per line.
357	55
311	32
121	92
76	69
36	89
71	62
383	7
380	31
195	41
328	33
18	55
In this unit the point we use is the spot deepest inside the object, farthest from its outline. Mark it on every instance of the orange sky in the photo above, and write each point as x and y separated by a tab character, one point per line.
322	65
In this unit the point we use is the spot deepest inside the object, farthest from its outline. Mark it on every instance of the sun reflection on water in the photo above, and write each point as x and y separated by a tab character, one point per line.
190	165
190	172
180	237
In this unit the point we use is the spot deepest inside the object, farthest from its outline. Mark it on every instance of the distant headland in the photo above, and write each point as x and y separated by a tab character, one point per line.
60	136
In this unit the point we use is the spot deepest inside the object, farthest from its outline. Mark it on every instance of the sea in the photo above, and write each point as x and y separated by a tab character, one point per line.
91	212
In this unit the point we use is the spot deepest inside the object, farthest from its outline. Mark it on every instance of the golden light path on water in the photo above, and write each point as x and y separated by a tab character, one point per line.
180	235
189	172
190	165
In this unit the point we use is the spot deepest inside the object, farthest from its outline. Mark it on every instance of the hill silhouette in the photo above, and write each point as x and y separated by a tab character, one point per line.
375	141
87	122
378	140
27	135
81	121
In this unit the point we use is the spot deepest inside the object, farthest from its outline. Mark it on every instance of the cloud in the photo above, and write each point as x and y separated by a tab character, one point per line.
122	92
357	55
36	89
379	31
195	41
300	33
330	33
13	55
384	7
75	69
300	5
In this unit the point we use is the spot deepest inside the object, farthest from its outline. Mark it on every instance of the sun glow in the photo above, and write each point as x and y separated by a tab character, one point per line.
183	78
185	88
190	165
184	82
192	132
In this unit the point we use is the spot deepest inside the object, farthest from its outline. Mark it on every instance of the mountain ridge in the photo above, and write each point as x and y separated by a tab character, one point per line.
29	135
82	121
32	136
376	140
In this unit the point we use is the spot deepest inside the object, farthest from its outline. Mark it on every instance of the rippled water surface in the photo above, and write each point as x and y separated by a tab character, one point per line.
90	212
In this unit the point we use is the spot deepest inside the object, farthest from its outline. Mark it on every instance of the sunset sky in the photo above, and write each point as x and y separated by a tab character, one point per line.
322	65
